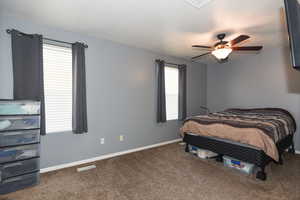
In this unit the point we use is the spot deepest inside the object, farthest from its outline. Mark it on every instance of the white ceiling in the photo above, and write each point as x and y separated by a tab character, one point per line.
165	26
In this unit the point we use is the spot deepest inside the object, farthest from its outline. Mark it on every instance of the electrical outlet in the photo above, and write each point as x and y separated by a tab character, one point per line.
102	141
121	137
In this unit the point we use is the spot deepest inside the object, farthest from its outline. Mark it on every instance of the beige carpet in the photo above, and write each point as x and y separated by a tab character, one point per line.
165	173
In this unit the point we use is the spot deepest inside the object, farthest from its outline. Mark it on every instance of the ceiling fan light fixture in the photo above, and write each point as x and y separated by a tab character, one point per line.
222	53
222	49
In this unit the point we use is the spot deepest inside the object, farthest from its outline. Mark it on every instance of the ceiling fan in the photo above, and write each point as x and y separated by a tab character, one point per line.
222	49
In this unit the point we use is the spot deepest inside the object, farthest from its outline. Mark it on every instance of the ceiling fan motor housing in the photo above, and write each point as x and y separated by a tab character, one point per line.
221	43
221	36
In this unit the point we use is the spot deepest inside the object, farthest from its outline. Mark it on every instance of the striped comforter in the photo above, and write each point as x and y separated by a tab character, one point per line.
260	127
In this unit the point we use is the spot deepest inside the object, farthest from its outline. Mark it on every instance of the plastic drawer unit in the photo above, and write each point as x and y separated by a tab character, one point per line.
9	170
13	138
17	153
19	144
18	182
19	107
19	123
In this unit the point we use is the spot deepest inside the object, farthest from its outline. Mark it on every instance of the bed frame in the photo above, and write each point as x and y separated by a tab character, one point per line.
243	153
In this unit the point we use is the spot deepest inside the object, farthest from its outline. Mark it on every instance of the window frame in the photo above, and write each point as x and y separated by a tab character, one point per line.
176	67
62	45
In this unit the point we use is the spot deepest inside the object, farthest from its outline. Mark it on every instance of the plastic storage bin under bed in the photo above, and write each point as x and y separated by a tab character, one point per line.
244	167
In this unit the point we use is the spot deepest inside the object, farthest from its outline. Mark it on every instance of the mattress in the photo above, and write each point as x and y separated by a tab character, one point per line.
261	127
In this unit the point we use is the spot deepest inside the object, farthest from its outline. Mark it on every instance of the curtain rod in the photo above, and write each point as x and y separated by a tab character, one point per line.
178	65
49	39
169	63
172	64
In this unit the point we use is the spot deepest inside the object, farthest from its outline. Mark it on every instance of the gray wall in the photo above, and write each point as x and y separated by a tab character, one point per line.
120	96
259	80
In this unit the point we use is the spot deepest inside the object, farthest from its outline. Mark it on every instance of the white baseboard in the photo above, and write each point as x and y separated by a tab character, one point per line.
80	162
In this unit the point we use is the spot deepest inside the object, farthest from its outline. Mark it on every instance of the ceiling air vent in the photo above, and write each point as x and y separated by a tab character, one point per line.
198	3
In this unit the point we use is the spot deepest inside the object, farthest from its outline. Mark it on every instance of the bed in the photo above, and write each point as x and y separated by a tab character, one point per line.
258	136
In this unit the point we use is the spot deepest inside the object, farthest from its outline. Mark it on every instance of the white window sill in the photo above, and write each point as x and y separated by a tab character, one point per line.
59	132
172	120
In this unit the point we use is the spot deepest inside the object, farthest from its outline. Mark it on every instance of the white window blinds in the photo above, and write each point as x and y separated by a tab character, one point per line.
57	87
172	92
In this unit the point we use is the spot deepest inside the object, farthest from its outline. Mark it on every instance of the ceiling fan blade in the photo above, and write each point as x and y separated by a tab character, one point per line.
201	46
250	48
200	55
239	39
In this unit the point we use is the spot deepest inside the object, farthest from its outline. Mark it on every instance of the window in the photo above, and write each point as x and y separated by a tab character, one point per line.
172	90
57	87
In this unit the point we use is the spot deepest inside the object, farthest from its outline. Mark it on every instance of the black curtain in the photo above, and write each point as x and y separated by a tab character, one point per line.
161	97
27	58
182	92
79	112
